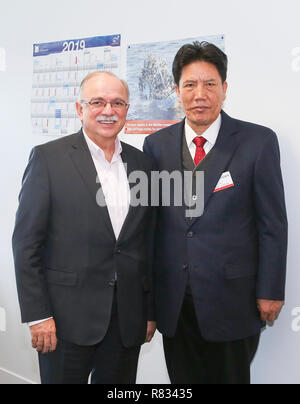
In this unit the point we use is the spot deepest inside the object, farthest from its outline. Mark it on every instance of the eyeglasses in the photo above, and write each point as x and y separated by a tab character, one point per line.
101	104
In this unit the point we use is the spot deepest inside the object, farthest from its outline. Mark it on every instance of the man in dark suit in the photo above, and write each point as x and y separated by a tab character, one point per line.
219	276
83	267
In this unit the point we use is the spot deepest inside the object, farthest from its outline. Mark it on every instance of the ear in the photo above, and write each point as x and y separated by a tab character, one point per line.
178	92
79	110
225	87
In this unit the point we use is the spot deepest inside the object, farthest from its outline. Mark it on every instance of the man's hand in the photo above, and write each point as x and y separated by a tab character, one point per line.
269	309
43	336
151	328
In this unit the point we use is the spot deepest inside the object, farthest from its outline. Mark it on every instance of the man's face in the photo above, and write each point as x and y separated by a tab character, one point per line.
106	122
201	93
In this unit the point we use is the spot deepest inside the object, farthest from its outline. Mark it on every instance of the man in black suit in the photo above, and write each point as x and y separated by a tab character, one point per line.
221	275
82	252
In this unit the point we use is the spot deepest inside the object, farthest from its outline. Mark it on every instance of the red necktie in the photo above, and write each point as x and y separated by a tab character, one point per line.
200	153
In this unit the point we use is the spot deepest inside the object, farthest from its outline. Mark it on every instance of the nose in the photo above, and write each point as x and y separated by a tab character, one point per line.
107	110
200	91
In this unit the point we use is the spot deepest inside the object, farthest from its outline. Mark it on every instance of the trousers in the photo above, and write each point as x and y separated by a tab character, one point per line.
108	362
192	360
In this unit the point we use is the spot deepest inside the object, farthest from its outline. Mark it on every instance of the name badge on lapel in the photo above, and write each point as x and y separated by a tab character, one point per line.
224	182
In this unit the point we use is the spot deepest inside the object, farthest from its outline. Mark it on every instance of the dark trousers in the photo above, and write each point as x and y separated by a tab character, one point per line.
192	360
108	362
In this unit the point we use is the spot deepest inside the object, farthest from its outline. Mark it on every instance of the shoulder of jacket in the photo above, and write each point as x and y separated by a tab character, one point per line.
162	132
136	153
58	143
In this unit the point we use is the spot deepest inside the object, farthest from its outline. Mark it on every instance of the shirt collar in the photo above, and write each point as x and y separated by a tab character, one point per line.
210	134
97	152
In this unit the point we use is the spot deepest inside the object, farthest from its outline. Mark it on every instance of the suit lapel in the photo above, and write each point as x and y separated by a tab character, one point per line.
173	141
224	150
130	165
175	163
84	164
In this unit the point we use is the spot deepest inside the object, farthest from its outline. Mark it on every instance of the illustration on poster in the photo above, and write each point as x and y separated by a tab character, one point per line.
150	79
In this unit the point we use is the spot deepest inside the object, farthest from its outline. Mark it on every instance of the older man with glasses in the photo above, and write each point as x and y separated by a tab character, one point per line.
83	268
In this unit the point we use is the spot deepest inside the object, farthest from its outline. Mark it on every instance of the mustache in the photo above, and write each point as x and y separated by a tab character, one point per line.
102	118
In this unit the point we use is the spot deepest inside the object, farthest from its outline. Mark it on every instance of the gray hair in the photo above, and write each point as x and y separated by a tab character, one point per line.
99	73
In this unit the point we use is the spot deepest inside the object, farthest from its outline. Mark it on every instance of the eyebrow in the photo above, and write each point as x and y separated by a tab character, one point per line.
195	80
101	98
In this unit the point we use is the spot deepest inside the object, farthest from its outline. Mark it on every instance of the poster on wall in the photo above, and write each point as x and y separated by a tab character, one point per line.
153	100
58	69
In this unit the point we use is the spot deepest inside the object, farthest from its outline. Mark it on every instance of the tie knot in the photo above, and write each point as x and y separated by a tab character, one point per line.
199	141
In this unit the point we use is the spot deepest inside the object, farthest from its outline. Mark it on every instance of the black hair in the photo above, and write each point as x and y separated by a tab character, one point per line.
204	51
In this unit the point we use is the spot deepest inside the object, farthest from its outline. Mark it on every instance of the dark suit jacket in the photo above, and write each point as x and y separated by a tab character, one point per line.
65	250
236	251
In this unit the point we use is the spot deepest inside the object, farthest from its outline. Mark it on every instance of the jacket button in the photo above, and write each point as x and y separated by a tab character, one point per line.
190	234
112	283
185	267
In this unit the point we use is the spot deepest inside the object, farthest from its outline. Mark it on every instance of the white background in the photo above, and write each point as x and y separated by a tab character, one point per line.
261	40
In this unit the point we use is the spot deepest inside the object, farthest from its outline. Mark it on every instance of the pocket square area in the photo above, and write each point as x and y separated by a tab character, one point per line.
224	182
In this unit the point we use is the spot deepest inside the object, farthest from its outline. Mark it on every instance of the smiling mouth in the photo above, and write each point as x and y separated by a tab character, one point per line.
200	109
106	122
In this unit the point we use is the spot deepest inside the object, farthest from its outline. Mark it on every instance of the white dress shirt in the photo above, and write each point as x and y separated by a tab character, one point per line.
210	135
115	186
114	182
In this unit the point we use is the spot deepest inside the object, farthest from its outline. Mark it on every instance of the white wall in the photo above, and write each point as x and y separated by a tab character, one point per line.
264	84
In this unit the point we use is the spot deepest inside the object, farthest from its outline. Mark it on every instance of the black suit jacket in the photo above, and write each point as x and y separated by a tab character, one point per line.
65	250
235	252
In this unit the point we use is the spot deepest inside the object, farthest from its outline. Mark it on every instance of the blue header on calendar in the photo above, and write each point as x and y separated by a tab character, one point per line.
44	49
